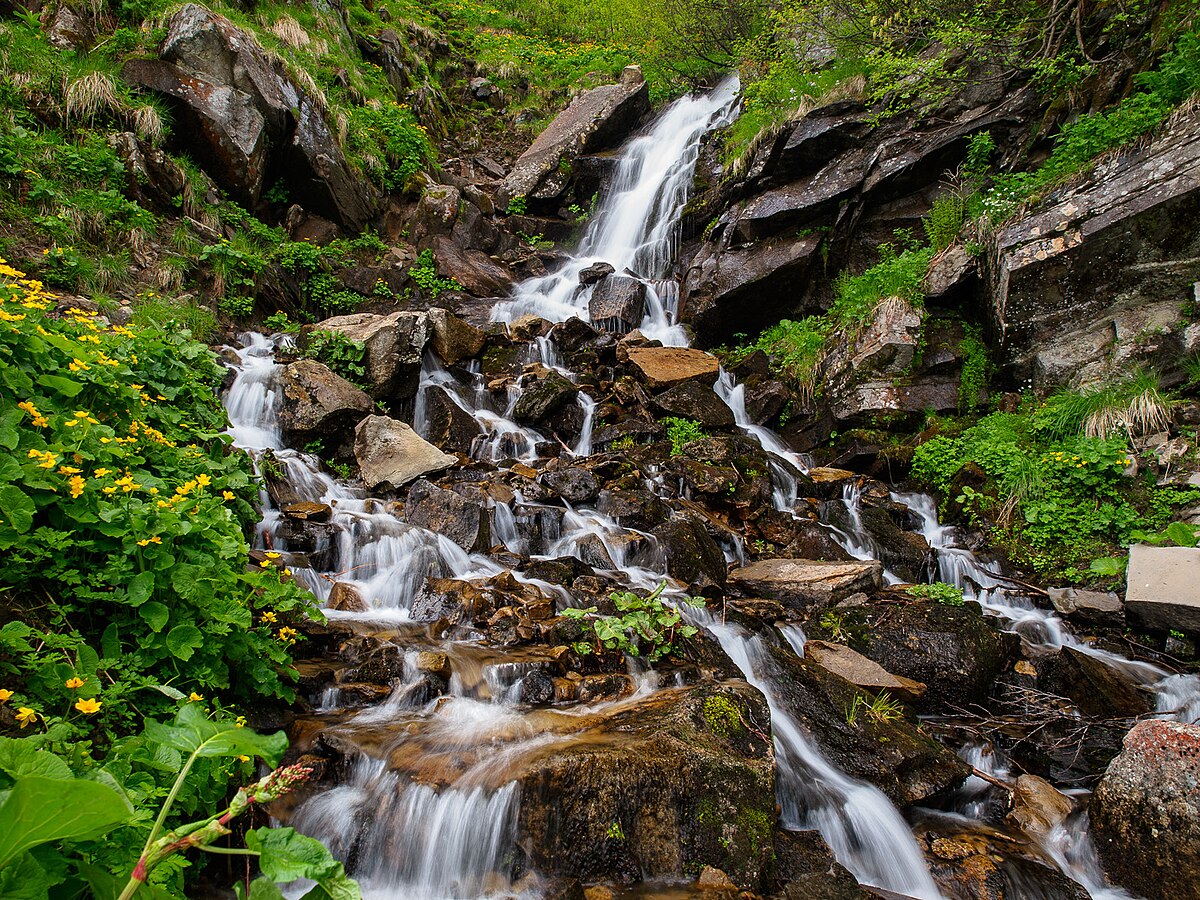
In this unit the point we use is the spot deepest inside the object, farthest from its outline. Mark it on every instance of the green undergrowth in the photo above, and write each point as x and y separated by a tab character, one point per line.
128	592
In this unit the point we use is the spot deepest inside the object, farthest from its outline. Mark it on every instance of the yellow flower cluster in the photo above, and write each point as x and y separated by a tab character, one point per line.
150	540
36	417
82	417
48	459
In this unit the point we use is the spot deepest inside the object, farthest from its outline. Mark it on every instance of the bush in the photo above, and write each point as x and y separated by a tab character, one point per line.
344	356
681	432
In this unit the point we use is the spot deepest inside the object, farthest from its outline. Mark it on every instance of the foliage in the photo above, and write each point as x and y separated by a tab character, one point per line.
281	323
943	593
1131	405
517	206
390	141
341	354
880	709
976	368
681	432
153	310
423	271
644	626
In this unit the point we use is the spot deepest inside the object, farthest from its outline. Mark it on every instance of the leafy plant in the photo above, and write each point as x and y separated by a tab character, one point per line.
343	355
946	594
423	271
517	206
279	322
644	626
881	708
681	432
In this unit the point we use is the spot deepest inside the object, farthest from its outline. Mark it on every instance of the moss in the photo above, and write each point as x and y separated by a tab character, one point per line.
755	826
723	717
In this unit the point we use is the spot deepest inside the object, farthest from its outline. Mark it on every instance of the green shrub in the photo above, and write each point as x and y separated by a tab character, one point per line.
517	206
943	593
389	143
423	272
344	356
681	432
644	626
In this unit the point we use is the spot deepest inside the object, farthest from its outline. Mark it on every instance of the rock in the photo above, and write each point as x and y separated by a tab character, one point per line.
152	178
308	511
573	334
68	30
317	403
544	397
1163	587
887	751
633	507
594	273
448	425
952	649
806	867
685	781
693	400
346	597
1090	607
987	864
802	583
477	272
595	120
573	484
1073	279
665	367
453	339
884	349
236	110
951	271
536	689
390	454
715	880
692	555
1145	813
860	671
394	344
434	663
447	513
617	304
436	211
1038	807
604	687
1097	689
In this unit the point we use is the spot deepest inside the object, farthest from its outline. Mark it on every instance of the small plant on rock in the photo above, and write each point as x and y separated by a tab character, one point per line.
881	708
643	626
681	432
946	594
344	356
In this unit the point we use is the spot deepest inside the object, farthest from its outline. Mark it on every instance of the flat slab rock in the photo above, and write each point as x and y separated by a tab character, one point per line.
664	367
807	582
390	453
1164	587
860	671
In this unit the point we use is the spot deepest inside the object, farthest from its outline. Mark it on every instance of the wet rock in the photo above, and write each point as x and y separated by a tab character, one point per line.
448	513
596	119
1089	607
685	781
390	454
536	689
693	400
986	864
308	511
477	272
802	583
1038	807
346	597
806	867
952	649
595	272
544	397
394	344
1095	688
1145	812
633	507
434	663
436	211
860	671
573	334
573	484
692	556
716	881
1164	587
317	403
593	688
665	367
453	339
617	304
886	750
448	425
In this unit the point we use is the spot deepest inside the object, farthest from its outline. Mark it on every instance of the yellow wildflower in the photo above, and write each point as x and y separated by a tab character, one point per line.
194	697
26	716
101	472
228	495
5	695
273	554
69	470
268	617
74	682
77	484
244	759
240	722
288	635
203	480
88	707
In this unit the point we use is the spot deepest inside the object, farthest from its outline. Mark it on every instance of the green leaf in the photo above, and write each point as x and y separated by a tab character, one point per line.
20	759
155	615
285	854
10	435
139	589
39	810
17	508
192	731
336	887
171	692
261	889
68	387
24	880
183	641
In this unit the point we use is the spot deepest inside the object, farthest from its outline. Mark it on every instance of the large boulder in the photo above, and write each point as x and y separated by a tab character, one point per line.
802	583
239	113
595	120
692	555
447	424
390	454
447	513
477	272
1097	275
394	344
665	367
617	304
453	339
544	396
1146	812
1164	587
696	401
317	403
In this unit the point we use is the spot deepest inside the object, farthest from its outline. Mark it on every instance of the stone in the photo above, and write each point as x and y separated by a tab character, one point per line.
434	663
390	454
801	583
604	687
543	397
715	880
152	178
885	347
1038	807
1163	587
308	511
665	367
617	304
345	597
394	344
448	425
693	400
453	339
477	272
68	30
536	689
1090	607
692	555
448	513
595	120
573	484
1145	813
573	334
1097	689
318	403
595	272
436	211
860	671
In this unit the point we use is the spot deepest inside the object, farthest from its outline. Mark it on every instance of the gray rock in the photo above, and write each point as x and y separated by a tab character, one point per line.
390	454
477	272
1163	587
543	397
573	484
453	339
1092	607
448	513
595	272
860	671
436	211
1145	813
394	345
617	304
596	119
448	425
318	403
693	400
692	555
151	176
802	583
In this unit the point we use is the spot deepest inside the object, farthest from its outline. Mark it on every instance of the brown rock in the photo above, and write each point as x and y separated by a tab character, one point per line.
806	582
346	598
665	367
434	663
308	511
1038	808
860	671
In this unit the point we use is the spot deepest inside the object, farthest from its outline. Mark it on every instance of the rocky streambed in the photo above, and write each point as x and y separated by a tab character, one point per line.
827	732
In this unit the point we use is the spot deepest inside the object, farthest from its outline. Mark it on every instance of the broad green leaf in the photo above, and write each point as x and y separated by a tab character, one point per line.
139	588
68	387
336	887
155	615
285	854
24	880
19	759
38	810
10	435
260	889
183	640
16	508
192	731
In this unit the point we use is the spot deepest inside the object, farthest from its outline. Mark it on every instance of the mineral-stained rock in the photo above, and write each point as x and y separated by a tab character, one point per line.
317	403
802	583
346	597
665	367
860	671
453	339
1146	812
390	454
477	272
